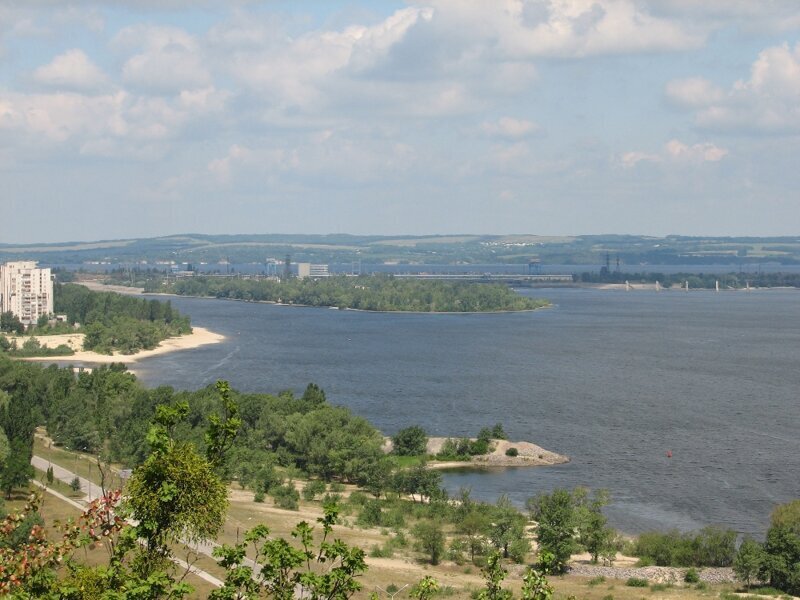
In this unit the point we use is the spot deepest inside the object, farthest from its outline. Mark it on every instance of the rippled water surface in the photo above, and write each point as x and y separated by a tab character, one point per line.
612	379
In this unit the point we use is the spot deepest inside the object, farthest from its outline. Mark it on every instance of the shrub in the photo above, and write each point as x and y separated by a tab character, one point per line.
512	452
411	441
312	489
258	496
596	581
337	487
358	499
637	582
370	514
691	576
286	496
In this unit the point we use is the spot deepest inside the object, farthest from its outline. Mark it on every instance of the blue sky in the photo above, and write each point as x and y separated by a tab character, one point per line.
141	118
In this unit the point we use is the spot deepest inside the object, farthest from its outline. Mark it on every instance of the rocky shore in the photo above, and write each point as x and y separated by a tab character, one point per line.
528	455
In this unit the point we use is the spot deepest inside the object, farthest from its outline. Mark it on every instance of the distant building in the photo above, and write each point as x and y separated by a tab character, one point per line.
26	291
313	271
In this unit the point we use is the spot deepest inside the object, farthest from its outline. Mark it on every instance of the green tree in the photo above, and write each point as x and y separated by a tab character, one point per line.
474	526
556	522
410	441
176	495
430	539
494	574
507	530
535	586
594	534
781	565
748	561
17	469
10	323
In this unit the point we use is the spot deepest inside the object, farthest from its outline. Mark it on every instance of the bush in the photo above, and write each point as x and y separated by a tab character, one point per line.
709	547
512	452
411	441
258	496
596	581
370	515
312	489
691	576
337	487
286	496
637	582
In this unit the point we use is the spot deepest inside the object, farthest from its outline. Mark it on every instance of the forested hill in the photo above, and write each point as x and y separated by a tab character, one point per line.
372	292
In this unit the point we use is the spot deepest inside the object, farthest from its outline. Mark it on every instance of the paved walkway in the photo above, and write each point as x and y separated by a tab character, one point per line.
92	491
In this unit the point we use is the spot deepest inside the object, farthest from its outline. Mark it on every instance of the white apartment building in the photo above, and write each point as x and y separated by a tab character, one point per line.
26	291
310	270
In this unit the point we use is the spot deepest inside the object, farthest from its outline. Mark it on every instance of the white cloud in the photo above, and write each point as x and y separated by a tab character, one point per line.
631	159
71	70
511	128
167	59
693	92
696	153
566	28
220	168
116	123
767	102
676	152
297	72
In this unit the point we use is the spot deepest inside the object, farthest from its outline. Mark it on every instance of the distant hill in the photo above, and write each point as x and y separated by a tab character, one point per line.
434	249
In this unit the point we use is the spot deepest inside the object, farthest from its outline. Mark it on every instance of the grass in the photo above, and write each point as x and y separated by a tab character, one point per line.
84	465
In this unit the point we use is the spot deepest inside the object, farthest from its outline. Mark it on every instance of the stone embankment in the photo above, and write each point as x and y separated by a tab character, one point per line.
672	575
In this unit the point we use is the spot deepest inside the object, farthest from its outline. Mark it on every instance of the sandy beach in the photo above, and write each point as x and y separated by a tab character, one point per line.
200	336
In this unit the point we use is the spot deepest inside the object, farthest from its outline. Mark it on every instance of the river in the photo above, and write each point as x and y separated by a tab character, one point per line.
613	379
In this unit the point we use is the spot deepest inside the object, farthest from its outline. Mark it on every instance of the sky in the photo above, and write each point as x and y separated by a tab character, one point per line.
139	118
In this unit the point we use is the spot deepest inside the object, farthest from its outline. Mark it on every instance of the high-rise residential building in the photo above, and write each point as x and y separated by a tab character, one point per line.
26	291
310	270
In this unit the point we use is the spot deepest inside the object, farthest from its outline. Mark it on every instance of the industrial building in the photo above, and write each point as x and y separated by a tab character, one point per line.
26	291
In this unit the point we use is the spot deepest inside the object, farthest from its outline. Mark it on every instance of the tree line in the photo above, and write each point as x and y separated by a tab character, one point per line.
366	292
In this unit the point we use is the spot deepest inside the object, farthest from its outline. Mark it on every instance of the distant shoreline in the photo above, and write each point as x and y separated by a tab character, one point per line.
102	287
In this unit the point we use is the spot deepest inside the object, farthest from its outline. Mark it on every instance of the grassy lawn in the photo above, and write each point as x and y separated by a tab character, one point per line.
84	465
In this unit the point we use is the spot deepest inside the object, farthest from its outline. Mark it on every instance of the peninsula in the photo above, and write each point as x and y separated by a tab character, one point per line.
379	293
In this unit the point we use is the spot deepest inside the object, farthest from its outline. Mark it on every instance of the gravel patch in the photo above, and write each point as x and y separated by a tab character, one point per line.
673	575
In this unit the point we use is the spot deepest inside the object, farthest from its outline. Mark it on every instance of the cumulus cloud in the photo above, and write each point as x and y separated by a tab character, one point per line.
71	70
767	102
104	124
675	151
566	28
166	59
693	92
508	127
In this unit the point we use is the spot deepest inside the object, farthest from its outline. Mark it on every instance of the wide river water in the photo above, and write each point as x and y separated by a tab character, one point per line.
612	379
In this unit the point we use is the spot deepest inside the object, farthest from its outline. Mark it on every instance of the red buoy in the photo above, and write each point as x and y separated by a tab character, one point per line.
669	453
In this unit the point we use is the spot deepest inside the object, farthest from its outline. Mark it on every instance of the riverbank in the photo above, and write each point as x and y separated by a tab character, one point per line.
200	336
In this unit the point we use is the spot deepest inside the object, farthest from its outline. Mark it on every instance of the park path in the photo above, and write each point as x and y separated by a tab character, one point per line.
92	491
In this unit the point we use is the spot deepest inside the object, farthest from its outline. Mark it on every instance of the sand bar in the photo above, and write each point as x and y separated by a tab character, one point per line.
200	336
